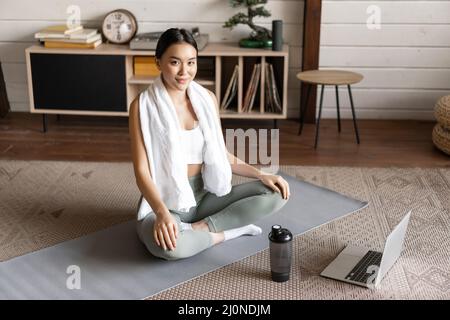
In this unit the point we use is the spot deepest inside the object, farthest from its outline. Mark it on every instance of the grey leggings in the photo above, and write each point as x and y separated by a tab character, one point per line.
245	204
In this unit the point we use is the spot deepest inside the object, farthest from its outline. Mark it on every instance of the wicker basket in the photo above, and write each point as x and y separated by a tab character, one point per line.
442	111
441	138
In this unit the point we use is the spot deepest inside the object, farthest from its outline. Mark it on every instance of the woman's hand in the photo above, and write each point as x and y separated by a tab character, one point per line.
165	230
277	183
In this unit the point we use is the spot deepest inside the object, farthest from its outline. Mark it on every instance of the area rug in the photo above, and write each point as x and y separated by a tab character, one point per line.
40	206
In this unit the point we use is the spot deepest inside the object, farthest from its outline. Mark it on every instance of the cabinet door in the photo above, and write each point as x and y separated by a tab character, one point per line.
79	82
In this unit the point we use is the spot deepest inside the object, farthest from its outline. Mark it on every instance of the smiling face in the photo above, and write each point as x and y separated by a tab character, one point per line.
178	66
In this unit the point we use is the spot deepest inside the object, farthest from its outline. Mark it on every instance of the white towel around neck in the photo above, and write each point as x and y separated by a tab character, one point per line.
161	132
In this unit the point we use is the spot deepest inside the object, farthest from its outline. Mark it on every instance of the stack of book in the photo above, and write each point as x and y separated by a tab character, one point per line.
231	91
61	36
272	97
145	66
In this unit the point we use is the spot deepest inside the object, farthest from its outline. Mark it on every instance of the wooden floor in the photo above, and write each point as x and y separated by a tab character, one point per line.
86	138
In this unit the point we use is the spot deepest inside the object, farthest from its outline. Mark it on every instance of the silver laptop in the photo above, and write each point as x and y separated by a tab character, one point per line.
364	267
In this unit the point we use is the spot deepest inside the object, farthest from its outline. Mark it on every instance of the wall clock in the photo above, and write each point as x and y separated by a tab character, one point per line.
119	26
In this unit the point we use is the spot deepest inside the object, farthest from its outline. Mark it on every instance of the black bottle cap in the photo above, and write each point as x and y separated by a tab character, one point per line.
279	234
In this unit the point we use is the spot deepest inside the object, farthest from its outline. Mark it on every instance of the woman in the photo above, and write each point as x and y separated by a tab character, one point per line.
166	124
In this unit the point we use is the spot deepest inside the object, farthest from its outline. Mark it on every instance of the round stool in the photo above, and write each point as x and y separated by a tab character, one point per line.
441	138
442	111
323	78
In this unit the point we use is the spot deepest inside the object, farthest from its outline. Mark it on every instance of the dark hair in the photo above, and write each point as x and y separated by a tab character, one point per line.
171	36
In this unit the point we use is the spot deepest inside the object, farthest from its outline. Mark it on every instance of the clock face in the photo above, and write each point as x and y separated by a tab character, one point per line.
119	26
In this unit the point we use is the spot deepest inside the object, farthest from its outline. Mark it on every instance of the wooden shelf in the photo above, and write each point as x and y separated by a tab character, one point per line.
226	114
149	79
211	49
218	57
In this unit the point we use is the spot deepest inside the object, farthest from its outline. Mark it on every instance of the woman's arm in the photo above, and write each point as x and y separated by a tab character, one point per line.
241	168
142	172
165	228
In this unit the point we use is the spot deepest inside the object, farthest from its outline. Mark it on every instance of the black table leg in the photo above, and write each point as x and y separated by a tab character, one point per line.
44	123
338	111
275	124
57	117
303	109
318	118
353	113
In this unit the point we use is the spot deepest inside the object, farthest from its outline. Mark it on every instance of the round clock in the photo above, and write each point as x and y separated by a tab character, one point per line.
119	26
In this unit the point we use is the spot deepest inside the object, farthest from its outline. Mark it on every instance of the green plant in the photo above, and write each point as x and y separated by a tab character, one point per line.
255	8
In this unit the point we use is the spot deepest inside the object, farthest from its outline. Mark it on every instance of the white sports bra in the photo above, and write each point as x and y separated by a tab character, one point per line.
192	143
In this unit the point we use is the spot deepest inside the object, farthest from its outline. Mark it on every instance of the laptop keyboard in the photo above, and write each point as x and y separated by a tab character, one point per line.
359	272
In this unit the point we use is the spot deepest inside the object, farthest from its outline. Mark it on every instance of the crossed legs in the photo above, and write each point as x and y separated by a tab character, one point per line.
245	204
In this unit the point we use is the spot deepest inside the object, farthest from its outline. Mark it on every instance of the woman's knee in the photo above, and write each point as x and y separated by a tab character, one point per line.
160	252
145	233
168	254
261	189
275	200
186	244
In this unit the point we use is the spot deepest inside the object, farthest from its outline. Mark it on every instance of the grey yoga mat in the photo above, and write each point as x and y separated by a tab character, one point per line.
114	264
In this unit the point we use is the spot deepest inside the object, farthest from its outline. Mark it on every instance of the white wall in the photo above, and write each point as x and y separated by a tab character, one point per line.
406	63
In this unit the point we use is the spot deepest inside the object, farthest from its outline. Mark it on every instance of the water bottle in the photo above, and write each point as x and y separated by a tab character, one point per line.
280	253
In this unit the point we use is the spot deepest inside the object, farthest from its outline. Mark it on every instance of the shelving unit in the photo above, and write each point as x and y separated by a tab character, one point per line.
52	80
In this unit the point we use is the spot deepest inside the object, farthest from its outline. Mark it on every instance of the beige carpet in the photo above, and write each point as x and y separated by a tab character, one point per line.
43	203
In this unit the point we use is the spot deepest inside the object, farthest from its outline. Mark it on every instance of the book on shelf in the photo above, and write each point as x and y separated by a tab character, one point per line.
272	97
231	89
252	88
68	45
276	95
57	31
248	91
91	39
145	66
256	82
268	94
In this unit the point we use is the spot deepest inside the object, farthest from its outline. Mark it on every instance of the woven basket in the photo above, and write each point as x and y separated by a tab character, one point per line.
442	111
441	138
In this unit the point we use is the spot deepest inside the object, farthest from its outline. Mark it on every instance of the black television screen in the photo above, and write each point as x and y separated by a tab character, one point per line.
79	82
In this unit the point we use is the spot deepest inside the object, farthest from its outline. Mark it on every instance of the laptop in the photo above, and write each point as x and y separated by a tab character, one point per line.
364	267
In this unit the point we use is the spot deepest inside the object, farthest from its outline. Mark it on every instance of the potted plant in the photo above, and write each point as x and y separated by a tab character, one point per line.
260	37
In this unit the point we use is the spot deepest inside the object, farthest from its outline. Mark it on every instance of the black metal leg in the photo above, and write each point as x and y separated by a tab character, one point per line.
318	118
57	117
353	113
44	123
303	109
275	124
338	112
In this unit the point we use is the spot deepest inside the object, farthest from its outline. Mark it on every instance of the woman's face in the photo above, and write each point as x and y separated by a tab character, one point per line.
178	65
